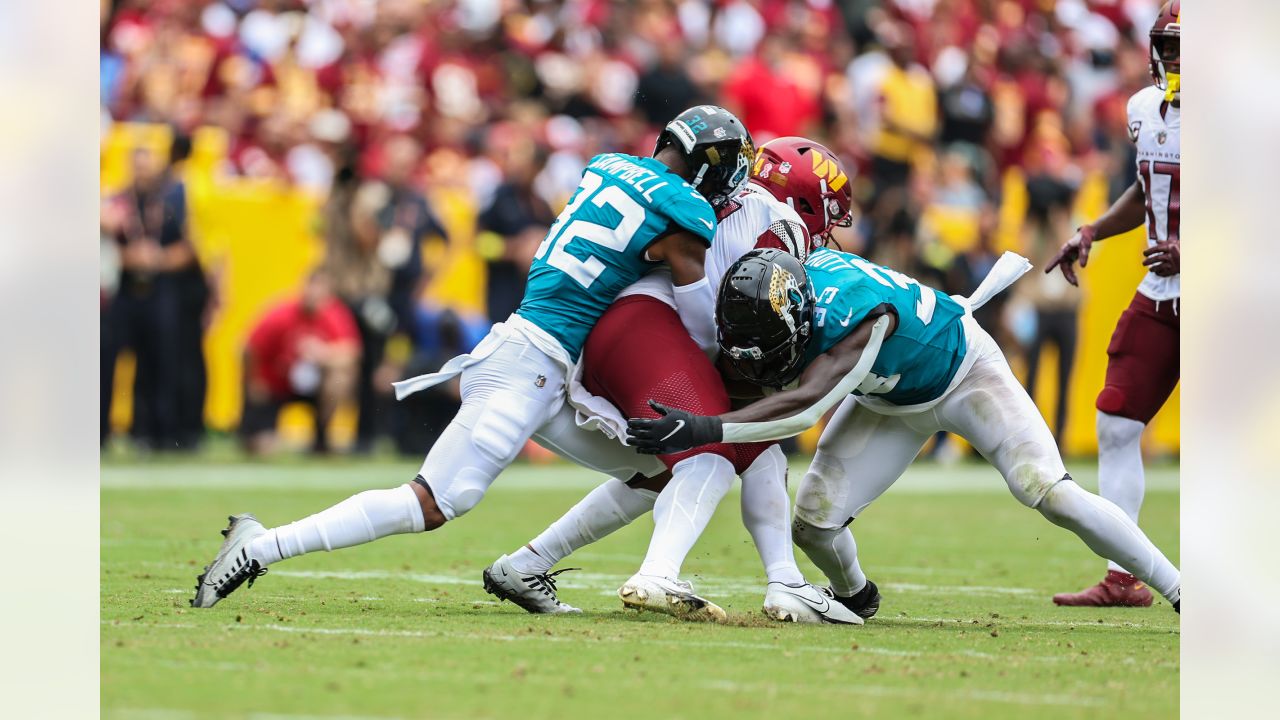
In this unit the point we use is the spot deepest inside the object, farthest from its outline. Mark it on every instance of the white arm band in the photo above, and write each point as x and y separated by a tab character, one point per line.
796	424
696	305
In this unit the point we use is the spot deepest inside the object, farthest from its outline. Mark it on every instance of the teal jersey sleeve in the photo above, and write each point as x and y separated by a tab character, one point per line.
918	361
596	247
684	206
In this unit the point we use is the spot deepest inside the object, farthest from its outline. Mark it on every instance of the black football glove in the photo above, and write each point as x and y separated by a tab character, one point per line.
676	430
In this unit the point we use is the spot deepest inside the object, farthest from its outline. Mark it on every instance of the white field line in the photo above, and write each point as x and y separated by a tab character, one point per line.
888	620
921	478
716	587
661	642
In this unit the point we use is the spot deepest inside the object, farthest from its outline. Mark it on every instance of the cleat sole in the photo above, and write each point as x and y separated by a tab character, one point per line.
684	606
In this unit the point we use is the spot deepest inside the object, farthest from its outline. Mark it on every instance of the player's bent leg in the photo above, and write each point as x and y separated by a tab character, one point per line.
993	412
1120	480
503	404
859	456
1110	533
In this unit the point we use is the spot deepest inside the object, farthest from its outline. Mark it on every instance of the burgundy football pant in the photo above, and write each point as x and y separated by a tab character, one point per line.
638	351
1143	364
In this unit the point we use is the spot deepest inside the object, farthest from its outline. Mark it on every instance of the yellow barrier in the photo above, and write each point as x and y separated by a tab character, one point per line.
260	239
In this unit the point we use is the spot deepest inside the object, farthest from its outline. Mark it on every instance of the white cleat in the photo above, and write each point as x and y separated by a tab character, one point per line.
671	596
232	566
806	603
535	592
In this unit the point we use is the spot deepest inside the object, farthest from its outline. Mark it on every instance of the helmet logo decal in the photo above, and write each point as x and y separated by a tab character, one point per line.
719	133
784	168
784	292
822	167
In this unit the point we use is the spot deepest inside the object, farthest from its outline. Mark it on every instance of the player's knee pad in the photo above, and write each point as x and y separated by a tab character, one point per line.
459	491
506	422
1031	481
467	489
815	499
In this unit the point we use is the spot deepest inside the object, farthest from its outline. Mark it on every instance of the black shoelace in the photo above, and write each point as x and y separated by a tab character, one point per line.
249	571
543	581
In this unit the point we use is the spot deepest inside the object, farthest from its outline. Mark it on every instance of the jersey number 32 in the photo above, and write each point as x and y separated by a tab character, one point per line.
567	229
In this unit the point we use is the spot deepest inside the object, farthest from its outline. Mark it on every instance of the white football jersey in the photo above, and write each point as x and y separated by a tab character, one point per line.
1155	128
737	233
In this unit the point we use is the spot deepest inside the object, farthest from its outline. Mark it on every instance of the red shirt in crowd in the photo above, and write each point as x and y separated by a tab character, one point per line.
771	104
275	343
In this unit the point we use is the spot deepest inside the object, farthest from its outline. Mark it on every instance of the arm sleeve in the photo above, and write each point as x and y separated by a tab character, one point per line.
798	423
696	303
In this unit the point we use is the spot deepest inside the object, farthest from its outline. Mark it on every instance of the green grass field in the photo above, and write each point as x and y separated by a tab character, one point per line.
402	629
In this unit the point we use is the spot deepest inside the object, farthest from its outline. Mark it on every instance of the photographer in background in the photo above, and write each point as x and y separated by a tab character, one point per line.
306	350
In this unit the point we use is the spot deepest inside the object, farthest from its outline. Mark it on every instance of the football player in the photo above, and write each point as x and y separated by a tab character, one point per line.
1142	359
903	361
638	351
628	216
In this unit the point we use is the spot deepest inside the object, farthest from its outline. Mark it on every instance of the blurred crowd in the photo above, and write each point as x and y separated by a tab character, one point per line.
377	106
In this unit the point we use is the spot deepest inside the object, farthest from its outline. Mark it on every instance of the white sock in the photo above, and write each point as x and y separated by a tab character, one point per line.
1107	531
835	553
610	507
1120	474
766	512
359	519
683	509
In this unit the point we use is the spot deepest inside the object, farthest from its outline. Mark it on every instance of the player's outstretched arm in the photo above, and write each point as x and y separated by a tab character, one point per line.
1126	213
686	254
829	379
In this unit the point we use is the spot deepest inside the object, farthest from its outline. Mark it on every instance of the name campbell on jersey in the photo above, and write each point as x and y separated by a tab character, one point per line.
596	247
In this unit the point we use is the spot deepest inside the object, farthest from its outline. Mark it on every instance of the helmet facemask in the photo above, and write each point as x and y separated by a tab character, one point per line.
716	180
1166	61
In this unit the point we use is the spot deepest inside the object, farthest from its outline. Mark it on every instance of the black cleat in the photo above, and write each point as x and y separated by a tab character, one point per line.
865	603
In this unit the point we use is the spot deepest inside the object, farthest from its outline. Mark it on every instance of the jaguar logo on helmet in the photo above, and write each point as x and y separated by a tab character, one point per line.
784	294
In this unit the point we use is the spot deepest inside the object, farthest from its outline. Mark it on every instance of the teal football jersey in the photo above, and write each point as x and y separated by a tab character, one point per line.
596	248
918	361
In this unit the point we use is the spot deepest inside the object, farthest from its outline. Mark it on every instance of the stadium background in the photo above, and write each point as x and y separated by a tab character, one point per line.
274	95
